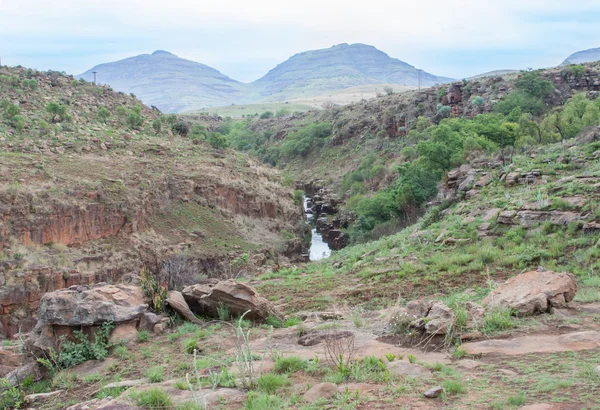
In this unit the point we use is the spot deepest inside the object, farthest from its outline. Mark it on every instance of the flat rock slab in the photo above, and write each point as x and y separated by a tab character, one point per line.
408	369
536	344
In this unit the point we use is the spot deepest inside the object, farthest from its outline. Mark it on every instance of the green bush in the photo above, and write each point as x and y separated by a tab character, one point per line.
10	397
181	128
11	111
266	115
157	125
57	112
134	120
216	140
103	114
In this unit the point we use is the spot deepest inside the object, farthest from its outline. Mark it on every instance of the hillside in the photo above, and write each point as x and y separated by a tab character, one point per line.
174	84
170	83
342	66
582	57
93	185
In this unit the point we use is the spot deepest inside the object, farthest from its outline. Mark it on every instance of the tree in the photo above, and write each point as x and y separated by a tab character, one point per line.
103	114
217	140
181	128
266	115
388	90
533	84
56	111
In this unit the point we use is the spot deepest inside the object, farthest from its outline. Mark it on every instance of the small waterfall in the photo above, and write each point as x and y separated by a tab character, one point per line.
319	249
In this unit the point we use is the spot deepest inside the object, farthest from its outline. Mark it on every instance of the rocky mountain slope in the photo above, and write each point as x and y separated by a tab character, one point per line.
174	84
582	57
93	184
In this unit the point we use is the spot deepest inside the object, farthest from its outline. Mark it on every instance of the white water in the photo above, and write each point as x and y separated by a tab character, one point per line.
318	248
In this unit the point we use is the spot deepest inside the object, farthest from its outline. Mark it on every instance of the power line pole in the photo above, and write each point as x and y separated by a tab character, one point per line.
420	77
95	72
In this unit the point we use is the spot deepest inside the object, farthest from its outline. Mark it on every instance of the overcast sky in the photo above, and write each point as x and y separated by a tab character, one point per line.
244	39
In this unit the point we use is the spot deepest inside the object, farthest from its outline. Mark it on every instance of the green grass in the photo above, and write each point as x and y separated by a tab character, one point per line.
263	401
153	399
290	364
237	111
155	374
497	320
143	336
269	383
454	387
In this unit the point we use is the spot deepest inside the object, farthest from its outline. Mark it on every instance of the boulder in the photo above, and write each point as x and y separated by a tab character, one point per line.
434	392
533	292
207	297
179	305
319	391
92	305
439	319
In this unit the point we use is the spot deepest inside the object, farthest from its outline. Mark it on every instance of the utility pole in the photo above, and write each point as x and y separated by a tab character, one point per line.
95	72
420	77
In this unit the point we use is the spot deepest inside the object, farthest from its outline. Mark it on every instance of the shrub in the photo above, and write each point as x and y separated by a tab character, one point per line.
81	349
266	115
31	84
181	128
153	399
103	114
216	140
479	102
158	293
18	122
57	112
157	125
11	111
134	120
10	397
155	374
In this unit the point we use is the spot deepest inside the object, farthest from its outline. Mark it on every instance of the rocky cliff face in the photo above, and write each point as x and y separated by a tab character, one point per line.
91	200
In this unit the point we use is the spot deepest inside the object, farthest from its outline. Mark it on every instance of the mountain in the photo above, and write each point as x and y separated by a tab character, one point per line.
168	82
174	84
585	56
342	66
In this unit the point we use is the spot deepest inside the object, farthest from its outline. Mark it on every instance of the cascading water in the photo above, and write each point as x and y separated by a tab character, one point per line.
319	249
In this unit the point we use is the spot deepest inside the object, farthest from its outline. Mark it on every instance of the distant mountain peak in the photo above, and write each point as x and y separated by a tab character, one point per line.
585	56
163	53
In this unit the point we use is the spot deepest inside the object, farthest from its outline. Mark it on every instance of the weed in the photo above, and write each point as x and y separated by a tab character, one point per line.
153	399
262	401
290	364
190	345
223	312
454	387
497	320
143	336
269	383
155	374
390	357
412	358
